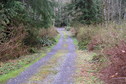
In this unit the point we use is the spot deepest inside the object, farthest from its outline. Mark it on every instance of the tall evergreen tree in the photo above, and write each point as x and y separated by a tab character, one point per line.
85	11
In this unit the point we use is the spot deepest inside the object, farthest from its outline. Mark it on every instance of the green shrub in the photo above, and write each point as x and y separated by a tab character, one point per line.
20	25
100	36
67	28
83	44
32	50
85	34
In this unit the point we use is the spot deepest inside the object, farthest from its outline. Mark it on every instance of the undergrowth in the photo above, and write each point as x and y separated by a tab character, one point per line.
109	44
12	68
86	71
24	28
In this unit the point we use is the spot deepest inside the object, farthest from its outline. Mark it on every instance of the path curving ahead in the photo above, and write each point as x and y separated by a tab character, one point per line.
55	68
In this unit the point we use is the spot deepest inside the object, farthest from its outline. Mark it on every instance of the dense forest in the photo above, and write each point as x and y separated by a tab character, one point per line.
24	25
98	25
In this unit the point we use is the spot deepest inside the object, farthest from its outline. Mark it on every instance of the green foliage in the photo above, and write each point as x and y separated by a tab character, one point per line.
11	11
85	11
61	18
67	28
33	50
19	65
20	23
85	34
38	13
43	11
33	39
32	15
98	58
83	44
75	41
47	41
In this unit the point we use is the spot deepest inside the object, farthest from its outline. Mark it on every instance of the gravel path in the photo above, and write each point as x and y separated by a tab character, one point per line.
66	69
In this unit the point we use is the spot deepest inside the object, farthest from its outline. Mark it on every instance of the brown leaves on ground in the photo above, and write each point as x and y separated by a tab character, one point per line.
84	71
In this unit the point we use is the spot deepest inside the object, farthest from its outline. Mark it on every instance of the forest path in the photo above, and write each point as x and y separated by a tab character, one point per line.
55	68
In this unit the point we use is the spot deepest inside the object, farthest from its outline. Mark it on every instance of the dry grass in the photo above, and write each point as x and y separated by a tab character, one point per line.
13	47
85	32
14	41
101	36
85	72
110	36
110	42
50	32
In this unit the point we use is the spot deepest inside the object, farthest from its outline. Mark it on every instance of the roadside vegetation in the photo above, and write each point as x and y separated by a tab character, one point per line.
14	67
109	46
26	28
99	26
101	31
85	72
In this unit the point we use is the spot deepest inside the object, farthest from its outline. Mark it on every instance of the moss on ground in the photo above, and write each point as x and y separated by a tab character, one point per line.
75	41
14	67
20	65
49	68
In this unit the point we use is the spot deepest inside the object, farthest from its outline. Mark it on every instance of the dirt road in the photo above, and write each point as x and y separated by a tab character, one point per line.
55	68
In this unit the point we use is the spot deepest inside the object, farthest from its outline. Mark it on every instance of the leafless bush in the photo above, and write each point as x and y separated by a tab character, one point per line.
50	32
14	47
109	41
115	73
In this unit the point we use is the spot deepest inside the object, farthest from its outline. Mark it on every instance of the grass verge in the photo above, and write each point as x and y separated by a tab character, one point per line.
75	41
49	69
11	74
19	65
85	73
